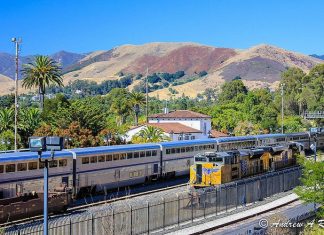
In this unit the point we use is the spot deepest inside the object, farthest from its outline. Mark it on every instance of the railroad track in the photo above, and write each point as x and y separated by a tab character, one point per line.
76	208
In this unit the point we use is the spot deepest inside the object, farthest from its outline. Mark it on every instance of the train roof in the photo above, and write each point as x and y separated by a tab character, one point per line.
25	156
114	148
187	142
17	156
278	135
235	138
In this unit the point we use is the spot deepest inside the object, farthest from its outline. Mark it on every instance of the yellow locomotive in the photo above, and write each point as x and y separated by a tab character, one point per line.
214	168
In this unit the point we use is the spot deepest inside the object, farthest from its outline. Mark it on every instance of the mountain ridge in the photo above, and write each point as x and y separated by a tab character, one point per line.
258	66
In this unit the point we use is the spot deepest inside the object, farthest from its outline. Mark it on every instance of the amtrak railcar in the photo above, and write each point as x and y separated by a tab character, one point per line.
100	168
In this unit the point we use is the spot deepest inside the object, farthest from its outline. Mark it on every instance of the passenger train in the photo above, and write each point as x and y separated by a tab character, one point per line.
107	167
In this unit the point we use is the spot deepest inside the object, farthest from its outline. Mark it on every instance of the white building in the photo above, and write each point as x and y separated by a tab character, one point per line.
178	125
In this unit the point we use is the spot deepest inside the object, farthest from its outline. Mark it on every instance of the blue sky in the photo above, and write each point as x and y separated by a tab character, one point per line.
82	26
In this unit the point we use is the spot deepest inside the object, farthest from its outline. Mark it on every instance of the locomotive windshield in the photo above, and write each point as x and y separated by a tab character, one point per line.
216	159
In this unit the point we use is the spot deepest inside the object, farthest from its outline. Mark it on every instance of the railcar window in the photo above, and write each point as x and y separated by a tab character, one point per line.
196	148
183	150
122	156
154	153
142	154
192	148
136	155
193	137
187	149
41	165
173	150
22	167
62	162
216	159
168	151
53	164
201	147
200	159
93	159
101	158
85	160
116	157
177	150
10	168
1	168
148	153
186	137
109	158
32	165
129	155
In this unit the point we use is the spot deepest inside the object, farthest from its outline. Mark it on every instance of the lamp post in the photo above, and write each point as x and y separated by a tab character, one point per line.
282	114
314	148
16	42
40	144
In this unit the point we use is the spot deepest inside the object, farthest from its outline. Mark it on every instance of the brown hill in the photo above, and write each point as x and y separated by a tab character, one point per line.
258	66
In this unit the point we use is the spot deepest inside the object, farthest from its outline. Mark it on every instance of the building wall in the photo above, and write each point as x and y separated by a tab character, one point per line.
202	124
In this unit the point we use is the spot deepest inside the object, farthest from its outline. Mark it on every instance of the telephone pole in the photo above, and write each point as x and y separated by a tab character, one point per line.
16	42
146	91
282	107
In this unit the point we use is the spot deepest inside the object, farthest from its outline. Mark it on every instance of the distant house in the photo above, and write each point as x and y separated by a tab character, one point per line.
178	125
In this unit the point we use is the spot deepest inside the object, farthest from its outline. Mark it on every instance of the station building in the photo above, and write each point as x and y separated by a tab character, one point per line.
179	125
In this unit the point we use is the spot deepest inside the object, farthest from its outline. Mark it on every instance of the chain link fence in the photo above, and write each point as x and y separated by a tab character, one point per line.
170	211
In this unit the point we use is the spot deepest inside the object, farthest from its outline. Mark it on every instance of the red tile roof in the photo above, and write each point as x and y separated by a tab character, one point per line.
216	134
179	114
174	127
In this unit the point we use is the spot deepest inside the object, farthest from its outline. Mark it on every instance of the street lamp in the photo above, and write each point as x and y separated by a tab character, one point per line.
16	42
40	144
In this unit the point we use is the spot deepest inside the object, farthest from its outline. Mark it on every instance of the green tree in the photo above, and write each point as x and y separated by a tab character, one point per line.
29	120
7	140
232	90
150	134
6	119
43	72
312	188
136	100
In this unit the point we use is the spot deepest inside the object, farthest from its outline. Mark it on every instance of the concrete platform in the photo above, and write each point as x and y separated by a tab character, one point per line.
196	229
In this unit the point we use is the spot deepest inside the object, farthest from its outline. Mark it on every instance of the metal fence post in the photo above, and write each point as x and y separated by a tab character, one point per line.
237	197
178	209
192	208
131	219
148	217
70	226
92	224
205	197
163	213
225	198
113	222
216	201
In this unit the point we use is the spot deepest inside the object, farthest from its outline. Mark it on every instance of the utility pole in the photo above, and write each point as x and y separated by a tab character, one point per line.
282	107
17	42
146	91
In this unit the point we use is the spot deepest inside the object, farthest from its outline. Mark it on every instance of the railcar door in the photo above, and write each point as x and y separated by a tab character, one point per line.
156	168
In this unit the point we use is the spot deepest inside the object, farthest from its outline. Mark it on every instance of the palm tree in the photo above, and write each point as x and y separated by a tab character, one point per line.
121	108
6	119
150	134
29	121
136	99
41	73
